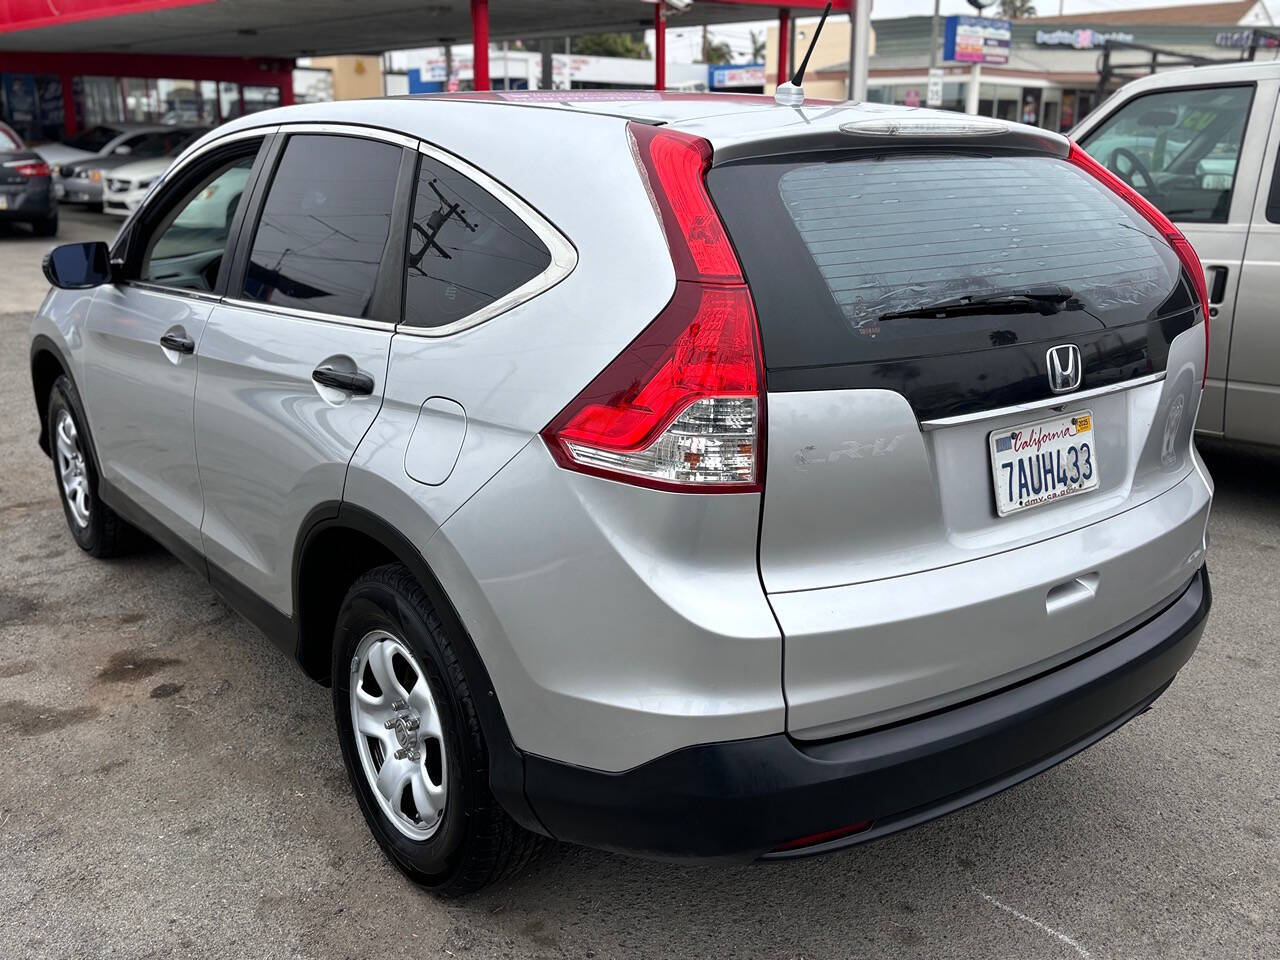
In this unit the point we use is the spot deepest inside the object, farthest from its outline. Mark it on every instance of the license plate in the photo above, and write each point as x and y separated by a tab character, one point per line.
1036	463
4	202
82	197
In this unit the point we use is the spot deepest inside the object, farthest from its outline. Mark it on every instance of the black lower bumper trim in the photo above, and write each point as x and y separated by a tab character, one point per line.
742	799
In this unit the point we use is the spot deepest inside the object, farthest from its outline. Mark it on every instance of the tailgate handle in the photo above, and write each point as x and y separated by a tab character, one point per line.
1070	593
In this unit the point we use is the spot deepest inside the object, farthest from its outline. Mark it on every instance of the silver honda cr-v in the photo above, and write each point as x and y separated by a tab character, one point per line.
685	475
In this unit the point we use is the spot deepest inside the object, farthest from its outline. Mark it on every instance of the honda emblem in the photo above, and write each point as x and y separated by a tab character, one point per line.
1065	368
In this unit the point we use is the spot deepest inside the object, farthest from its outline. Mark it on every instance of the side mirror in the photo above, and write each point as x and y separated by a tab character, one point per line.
78	266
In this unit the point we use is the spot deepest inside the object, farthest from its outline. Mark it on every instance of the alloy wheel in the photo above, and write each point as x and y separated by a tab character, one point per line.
398	734
71	468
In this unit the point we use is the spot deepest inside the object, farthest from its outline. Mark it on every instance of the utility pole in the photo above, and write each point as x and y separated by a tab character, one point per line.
546	46
933	36
859	48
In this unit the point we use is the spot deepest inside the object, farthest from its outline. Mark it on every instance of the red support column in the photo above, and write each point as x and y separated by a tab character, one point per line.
784	45
286	84
659	46
69	125
480	44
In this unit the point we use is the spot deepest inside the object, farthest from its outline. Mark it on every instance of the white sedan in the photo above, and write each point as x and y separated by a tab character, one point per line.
124	188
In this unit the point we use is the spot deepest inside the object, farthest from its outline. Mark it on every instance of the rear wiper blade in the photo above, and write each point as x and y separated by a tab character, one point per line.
1046	298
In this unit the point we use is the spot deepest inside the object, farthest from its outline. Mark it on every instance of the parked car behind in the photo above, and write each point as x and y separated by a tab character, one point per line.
84	180
26	186
706	478
1201	144
128	185
100	141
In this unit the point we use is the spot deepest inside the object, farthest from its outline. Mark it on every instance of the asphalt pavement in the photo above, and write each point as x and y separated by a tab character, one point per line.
170	786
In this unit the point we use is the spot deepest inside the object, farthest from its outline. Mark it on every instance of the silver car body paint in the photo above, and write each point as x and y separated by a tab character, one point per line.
619	623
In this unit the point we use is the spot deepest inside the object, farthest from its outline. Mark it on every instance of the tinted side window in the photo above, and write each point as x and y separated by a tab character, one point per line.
323	229
466	249
186	250
1178	148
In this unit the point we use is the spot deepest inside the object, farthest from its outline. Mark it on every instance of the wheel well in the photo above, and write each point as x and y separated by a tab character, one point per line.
331	560
46	368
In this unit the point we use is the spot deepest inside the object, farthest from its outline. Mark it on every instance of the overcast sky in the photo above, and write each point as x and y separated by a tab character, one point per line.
684	44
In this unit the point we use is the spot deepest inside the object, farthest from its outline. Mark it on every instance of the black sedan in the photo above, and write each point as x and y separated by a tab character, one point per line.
26	186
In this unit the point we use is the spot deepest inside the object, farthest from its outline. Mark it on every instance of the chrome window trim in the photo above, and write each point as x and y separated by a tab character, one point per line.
350	130
171	291
264	307
1061	400
564	256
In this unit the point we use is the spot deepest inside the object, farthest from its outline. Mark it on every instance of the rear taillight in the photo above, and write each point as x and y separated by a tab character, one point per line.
1181	246
29	168
682	407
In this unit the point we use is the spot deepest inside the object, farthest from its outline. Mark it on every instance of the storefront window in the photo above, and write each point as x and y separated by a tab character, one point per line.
97	101
229	100
140	101
32	105
180	102
257	99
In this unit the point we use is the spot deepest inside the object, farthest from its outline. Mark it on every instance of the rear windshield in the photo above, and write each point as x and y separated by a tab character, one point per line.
834	249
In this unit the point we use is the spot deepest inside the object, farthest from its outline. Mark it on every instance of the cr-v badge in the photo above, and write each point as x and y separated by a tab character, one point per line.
1065	367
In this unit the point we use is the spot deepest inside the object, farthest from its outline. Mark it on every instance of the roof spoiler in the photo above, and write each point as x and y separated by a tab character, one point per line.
855	127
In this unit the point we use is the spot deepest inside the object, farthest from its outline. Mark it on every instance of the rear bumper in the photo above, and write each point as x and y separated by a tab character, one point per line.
742	799
33	201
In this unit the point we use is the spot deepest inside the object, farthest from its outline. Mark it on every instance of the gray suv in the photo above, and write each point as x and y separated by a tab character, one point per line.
684	475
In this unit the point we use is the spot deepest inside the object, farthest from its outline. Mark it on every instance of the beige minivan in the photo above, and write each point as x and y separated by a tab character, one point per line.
1201	144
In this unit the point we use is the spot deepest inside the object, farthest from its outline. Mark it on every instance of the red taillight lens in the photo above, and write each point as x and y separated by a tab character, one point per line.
1181	246
29	168
682	407
673	165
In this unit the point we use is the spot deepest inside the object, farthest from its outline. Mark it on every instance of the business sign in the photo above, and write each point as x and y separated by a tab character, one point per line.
733	75
933	93
1079	39
977	40
1243	38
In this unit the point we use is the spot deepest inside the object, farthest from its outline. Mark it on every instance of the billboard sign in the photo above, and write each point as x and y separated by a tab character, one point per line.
977	40
732	75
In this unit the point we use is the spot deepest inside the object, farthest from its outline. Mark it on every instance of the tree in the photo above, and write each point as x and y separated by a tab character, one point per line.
629	45
1017	9
757	46
717	53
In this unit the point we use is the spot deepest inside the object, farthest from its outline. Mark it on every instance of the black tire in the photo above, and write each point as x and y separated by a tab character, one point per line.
47	227
105	534
476	843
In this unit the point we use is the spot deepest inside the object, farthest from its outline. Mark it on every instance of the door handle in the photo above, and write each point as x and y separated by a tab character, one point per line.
360	384
178	342
1217	284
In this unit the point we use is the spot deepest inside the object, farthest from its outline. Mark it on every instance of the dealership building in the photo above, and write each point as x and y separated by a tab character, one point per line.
71	64
1051	77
